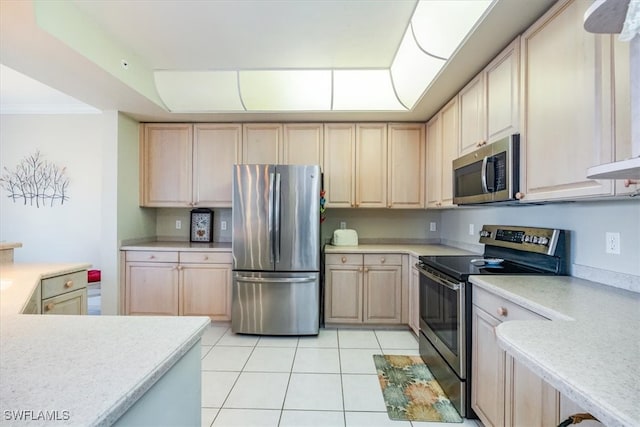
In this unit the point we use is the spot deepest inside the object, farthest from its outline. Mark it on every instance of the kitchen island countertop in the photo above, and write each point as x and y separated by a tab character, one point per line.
590	351
85	370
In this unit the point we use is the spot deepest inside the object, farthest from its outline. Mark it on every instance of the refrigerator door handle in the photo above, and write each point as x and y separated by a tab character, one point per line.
270	216
276	227
279	280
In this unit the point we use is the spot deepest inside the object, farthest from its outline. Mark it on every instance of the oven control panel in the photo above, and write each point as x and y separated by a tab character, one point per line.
531	239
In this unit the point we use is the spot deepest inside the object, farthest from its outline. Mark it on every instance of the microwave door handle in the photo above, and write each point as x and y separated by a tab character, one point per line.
484	174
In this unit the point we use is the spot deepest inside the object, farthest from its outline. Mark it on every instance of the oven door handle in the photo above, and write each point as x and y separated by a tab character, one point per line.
450	285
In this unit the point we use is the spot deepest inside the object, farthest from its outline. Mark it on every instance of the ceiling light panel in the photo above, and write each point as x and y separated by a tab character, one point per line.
197	91
283	90
412	70
441	25
364	90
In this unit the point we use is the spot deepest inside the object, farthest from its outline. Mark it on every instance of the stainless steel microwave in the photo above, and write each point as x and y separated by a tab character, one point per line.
489	174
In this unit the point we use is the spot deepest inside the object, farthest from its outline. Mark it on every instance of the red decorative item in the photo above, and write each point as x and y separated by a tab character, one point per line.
93	276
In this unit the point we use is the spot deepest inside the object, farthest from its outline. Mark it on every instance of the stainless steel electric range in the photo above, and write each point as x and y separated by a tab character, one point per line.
445	297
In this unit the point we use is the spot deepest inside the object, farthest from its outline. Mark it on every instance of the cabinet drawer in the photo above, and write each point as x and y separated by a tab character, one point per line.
343	259
383	259
206	257
65	283
501	308
152	256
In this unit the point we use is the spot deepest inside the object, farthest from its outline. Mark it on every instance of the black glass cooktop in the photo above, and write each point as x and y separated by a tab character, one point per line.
461	266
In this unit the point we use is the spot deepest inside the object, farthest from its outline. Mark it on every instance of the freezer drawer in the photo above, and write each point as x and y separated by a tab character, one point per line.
276	303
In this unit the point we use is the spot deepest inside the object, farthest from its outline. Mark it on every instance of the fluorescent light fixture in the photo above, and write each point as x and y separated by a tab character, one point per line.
412	70
441	25
364	90
286	90
197	91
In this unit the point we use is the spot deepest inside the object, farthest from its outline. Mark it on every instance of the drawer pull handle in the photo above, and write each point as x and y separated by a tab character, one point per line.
49	306
206	258
502	311
68	284
382	260
152	256
344	259
366	270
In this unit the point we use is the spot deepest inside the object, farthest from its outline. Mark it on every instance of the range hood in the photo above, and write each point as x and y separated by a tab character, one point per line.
613	17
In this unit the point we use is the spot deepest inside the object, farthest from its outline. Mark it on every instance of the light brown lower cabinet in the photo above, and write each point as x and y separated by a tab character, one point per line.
504	392
178	283
63	294
363	288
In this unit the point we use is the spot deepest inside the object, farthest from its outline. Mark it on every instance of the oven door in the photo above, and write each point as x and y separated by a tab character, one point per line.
442	316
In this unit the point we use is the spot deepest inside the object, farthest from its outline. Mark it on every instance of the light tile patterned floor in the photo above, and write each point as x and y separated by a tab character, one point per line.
329	380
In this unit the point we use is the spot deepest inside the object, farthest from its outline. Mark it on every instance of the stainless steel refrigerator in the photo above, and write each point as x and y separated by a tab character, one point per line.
276	249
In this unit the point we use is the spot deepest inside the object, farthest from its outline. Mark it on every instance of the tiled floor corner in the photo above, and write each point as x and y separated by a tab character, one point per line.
326	380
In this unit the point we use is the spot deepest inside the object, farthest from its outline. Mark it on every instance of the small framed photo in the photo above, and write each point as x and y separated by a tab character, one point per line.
202	225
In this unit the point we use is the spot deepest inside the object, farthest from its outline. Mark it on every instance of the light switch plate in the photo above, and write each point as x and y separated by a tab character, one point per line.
432	226
223	225
612	243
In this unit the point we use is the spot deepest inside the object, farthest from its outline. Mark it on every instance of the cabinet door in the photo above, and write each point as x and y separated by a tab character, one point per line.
406	166
205	290
450	135
487	372
434	161
151	288
343	299
340	164
262	143
74	302
472	115
502	77
166	165
371	165
567	105
216	148
382	294
530	400
303	144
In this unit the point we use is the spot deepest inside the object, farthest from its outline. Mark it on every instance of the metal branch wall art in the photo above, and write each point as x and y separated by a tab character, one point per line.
36	181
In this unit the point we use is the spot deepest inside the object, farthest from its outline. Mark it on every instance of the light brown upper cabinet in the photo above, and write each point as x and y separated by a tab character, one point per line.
567	105
340	164
166	164
442	149
355	172
216	148
371	165
472	115
406	157
185	165
262	143
490	103
303	144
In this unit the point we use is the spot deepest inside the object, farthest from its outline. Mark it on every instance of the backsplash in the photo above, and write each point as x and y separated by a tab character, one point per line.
166	224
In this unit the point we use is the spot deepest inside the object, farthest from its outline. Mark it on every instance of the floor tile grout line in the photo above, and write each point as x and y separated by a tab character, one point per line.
344	413
286	390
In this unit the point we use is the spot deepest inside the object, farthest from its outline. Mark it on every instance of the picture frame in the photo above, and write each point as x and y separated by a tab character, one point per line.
201	225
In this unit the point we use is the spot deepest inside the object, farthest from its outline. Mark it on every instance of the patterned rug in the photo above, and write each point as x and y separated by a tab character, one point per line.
410	391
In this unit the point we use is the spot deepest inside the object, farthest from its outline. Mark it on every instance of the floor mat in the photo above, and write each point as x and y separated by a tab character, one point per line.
410	392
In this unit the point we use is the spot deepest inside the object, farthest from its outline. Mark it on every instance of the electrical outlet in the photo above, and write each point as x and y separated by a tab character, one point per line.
471	230
178	224
223	225
432	226
343	225
612	243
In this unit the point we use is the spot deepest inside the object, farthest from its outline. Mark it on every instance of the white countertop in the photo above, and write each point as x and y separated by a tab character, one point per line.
590	352
94	367
178	246
416	250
